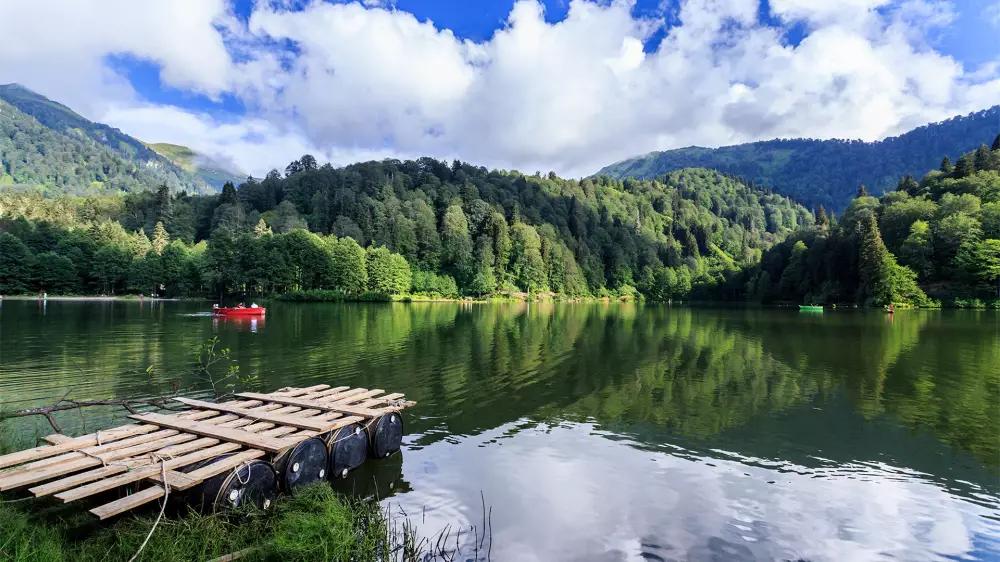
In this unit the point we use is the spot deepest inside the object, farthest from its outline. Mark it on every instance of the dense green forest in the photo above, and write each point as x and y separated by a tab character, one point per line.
939	236
825	172
45	146
394	227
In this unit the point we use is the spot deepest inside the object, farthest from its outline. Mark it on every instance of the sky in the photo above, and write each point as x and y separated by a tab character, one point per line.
554	85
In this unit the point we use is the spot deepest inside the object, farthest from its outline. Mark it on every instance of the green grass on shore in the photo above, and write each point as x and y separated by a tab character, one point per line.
315	524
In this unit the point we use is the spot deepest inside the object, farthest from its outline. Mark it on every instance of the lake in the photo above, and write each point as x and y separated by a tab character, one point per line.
606	431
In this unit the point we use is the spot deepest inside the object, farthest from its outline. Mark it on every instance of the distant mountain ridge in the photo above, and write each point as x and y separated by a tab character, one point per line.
826	172
46	146
214	172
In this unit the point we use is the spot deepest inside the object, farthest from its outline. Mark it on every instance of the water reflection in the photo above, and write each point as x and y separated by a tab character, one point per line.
612	431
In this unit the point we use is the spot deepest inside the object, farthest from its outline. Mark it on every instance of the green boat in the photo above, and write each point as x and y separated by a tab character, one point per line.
810	308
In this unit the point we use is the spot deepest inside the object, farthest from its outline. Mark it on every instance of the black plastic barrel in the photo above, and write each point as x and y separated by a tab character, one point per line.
303	464
348	447
385	435
253	483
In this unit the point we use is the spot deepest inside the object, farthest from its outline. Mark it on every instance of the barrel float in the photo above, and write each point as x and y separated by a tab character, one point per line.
253	483
301	465
348	448
385	435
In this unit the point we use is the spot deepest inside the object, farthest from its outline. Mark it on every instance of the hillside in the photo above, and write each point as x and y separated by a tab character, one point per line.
442	229
46	146
940	235
825	172
212	171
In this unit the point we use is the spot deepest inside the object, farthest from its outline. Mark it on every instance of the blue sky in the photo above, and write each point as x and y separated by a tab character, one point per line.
536	84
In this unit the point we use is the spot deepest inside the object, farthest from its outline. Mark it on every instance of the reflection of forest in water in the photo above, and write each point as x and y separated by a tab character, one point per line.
688	373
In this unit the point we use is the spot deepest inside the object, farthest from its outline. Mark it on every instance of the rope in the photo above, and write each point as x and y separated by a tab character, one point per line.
163	508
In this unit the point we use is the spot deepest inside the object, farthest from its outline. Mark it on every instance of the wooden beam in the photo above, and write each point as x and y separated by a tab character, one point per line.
269	444
34	476
145	472
293	421
43	452
129	502
314	404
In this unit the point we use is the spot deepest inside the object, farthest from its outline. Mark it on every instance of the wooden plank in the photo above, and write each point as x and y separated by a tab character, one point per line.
178	480
129	502
56	439
224	465
331	407
43	452
292	421
89	451
173	450
144	472
77	480
269	444
47	473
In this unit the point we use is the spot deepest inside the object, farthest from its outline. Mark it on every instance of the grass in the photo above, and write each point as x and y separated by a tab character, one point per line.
315	524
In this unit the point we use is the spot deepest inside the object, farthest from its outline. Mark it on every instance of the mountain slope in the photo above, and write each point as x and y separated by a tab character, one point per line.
47	146
826	172
211	170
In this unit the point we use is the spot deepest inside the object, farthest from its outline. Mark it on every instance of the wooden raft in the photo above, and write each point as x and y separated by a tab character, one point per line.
140	454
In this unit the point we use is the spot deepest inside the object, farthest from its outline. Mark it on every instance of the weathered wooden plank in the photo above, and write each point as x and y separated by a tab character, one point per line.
293	421
331	406
24	478
144	472
77	480
56	439
46	451
129	502
89	451
267	443
178	480
224	465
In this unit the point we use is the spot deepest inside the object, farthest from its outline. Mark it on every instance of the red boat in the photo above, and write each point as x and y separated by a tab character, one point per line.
252	310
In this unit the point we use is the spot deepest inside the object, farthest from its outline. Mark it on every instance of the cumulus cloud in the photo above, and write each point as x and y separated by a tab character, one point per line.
363	79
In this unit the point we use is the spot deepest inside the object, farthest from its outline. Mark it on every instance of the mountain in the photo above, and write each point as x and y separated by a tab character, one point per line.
211	170
826	172
46	146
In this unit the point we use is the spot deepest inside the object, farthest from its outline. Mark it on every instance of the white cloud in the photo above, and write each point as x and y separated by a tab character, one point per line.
369	81
991	13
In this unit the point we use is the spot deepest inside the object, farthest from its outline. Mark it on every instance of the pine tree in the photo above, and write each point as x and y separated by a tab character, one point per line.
966	166
983	158
882	280
822	219
261	229
908	185
160	238
946	166
862	191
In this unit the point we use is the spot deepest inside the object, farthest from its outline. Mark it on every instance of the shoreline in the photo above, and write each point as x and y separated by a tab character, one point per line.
92	298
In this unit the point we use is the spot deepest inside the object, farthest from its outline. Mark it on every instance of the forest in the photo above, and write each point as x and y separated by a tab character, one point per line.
394	227
933	239
825	172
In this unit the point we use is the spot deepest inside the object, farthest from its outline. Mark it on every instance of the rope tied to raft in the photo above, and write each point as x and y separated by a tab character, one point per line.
163	508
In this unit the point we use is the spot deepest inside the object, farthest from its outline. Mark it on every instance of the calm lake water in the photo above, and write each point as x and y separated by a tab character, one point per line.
608	432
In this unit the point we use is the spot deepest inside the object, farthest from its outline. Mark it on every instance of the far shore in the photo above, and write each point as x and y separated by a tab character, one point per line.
97	298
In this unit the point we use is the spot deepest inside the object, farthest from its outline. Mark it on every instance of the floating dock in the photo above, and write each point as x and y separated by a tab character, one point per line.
217	454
